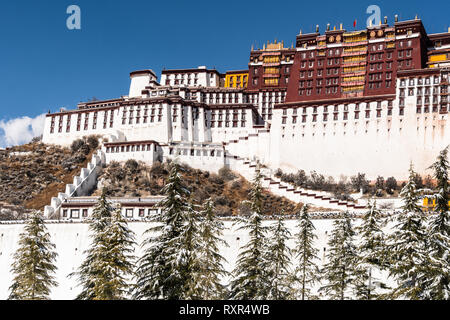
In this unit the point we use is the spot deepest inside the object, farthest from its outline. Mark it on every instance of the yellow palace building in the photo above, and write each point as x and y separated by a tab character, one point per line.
236	79
429	204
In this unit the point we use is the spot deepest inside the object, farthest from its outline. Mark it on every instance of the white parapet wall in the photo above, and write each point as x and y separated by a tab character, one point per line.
81	186
72	239
208	157
144	151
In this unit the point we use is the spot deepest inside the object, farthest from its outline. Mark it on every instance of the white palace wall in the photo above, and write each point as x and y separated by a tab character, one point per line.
384	145
383	140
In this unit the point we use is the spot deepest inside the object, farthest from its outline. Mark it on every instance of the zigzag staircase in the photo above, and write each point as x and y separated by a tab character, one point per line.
247	168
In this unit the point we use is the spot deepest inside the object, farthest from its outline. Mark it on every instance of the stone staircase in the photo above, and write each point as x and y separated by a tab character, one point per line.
247	168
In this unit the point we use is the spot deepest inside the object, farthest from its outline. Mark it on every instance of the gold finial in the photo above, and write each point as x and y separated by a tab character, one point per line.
317	28
300	32
448	29
253	47
264	46
334	28
417	17
340	27
292	44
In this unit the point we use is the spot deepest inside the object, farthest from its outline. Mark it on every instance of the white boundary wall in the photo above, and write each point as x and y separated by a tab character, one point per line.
72	240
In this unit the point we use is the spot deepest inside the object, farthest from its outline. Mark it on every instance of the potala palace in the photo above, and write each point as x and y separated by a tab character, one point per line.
339	103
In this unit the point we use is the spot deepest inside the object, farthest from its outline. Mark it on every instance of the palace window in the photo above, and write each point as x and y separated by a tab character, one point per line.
105	119
94	123
129	213
52	126
75	213
68	123
86	121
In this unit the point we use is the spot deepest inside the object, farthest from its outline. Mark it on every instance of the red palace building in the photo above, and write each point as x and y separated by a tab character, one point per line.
344	64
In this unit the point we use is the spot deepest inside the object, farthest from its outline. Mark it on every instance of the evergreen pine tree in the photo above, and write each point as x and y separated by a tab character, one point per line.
438	273
307	271
186	259
371	251
407	245
119	264
207	275
33	264
279	262
249	281
158	274
342	258
109	260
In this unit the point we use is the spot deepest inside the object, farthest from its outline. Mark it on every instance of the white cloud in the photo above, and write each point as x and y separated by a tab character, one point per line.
20	130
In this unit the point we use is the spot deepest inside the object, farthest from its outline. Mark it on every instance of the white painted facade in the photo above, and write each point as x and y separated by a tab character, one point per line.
380	136
200	77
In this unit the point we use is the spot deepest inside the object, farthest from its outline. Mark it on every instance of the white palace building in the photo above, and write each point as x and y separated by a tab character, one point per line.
339	103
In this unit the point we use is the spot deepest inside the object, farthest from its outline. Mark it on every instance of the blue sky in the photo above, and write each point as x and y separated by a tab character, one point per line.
45	66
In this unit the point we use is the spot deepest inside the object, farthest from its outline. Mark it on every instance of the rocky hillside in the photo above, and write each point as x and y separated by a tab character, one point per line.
30	175
227	189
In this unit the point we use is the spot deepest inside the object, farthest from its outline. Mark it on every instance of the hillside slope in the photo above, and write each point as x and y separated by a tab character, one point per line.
228	190
31	174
